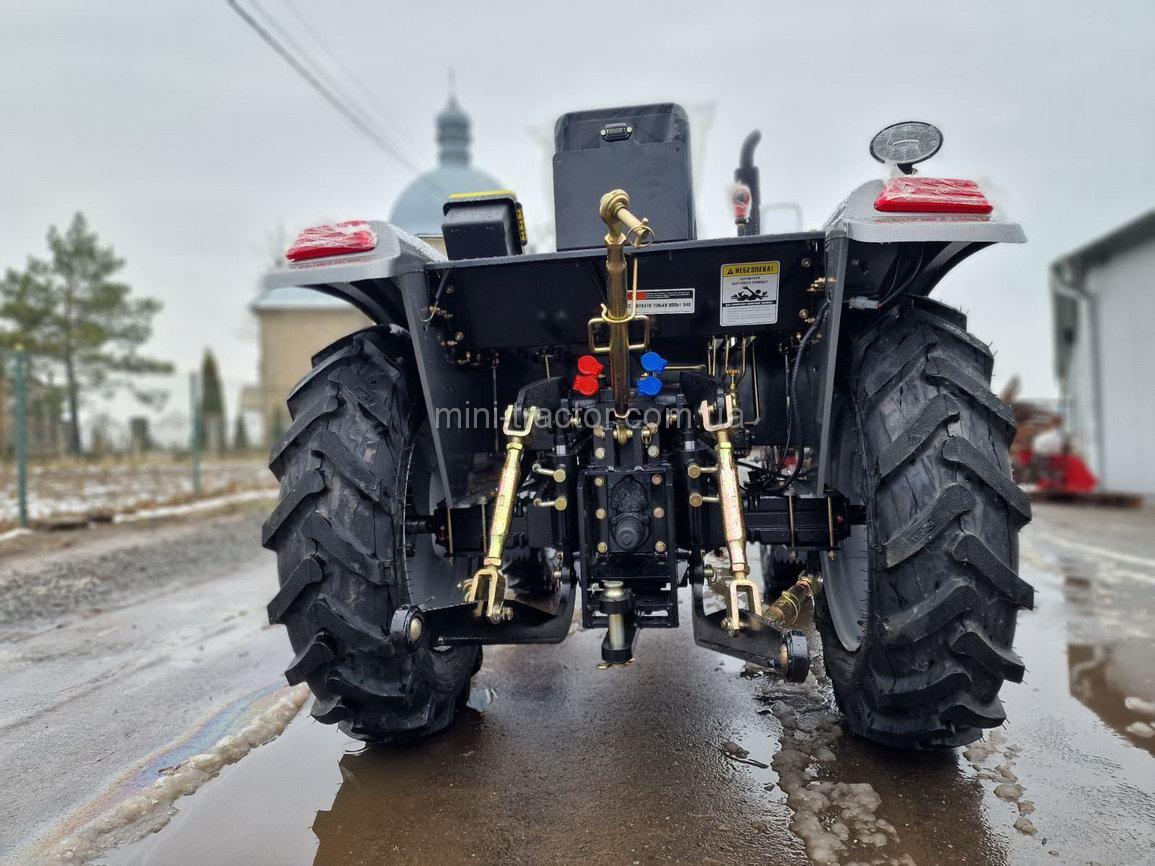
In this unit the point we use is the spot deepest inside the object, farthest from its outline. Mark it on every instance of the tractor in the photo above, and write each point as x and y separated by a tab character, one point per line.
767	421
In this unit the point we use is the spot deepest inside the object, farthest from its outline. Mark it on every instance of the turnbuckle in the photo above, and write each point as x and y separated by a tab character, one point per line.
489	583
733	517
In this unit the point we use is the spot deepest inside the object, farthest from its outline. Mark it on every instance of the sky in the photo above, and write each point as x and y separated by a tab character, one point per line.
189	143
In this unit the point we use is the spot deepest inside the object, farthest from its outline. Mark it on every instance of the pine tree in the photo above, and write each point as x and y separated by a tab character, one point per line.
69	313
241	435
212	406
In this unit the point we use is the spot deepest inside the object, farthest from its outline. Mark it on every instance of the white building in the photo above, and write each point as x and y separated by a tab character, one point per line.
1103	296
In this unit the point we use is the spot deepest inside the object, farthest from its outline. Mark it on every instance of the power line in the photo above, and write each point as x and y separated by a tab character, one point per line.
371	100
368	110
350	114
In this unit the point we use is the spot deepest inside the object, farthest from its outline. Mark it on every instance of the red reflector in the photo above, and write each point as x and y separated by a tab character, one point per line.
587	386
588	365
353	236
932	195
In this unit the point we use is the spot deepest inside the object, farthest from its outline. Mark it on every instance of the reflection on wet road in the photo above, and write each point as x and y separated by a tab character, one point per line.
682	758
1110	656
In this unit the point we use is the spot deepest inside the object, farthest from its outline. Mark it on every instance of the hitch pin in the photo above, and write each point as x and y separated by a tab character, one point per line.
830	524
557	475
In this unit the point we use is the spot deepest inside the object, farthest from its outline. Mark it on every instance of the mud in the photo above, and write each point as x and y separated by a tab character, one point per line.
687	757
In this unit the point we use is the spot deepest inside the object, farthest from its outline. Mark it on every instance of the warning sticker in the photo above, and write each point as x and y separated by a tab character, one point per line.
665	301
749	294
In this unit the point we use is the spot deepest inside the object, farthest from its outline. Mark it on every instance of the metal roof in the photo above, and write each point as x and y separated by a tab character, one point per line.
418	209
297	298
1129	234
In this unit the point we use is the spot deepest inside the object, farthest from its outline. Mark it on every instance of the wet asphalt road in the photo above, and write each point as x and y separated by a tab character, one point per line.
559	762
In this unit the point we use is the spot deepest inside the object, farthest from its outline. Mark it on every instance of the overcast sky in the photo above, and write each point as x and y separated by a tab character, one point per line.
187	141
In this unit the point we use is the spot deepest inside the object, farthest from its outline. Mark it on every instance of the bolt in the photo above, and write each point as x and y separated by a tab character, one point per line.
561	503
599	431
693	470
695	500
660	546
806	263
599	481
450	289
656	479
600	514
652	450
415	629
804	313
659	512
459	336
600	453
603	547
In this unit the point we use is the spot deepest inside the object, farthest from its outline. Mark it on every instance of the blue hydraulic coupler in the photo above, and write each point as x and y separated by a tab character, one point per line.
650	386
652	362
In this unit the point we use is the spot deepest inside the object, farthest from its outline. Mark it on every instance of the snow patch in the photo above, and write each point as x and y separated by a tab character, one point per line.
78	489
829	817
1007	785
196	507
14	533
1135	705
1141	729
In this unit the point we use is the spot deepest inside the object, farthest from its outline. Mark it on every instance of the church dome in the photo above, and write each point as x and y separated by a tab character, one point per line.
418	209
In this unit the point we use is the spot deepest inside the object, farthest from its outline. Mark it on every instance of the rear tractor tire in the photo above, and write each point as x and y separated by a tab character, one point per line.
355	465
919	607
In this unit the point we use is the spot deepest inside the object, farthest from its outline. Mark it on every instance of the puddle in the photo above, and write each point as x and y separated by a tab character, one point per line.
1110	649
553	761
142	802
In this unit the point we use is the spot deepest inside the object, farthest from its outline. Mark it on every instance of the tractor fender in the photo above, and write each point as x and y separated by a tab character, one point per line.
857	220
375	282
389	285
855	231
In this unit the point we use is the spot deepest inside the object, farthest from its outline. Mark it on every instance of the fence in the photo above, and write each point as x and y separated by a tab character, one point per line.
41	484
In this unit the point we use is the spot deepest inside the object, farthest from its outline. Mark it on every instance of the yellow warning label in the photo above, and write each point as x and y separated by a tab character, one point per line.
749	269
748	294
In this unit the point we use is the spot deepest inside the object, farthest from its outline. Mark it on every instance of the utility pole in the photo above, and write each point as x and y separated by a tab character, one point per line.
195	436
22	434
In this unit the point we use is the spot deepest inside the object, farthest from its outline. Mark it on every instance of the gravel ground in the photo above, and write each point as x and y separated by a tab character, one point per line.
61	574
